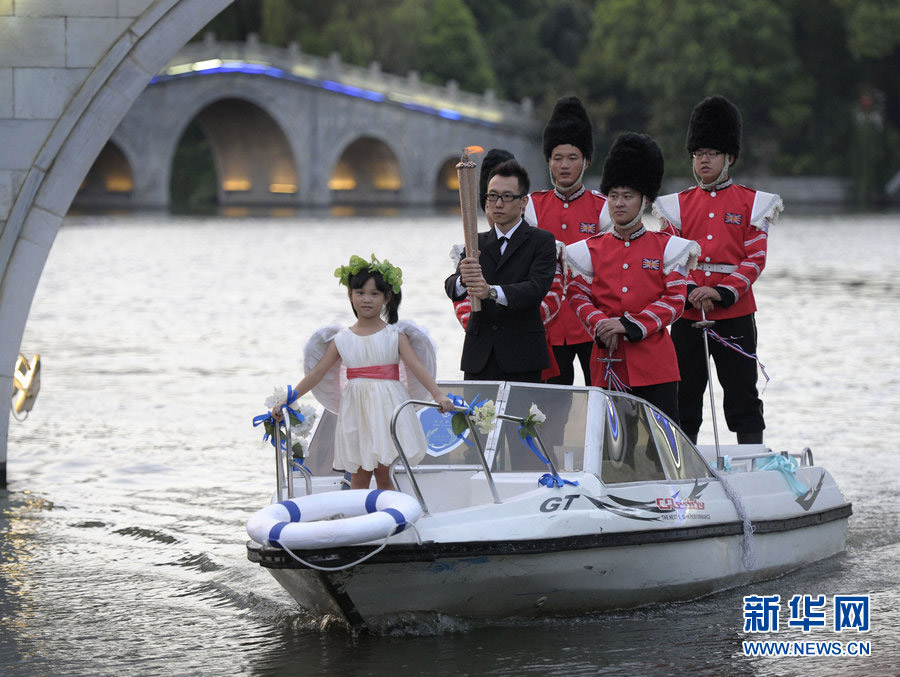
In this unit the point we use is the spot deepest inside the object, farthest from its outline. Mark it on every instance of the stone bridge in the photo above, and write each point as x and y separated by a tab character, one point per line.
290	129
71	70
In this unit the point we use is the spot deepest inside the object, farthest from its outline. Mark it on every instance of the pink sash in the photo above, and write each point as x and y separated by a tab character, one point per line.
388	372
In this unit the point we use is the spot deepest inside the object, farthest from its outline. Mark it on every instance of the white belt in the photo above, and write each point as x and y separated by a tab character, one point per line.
717	267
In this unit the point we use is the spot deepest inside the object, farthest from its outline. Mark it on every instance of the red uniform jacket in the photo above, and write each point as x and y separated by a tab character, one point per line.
731	226
571	220
642	280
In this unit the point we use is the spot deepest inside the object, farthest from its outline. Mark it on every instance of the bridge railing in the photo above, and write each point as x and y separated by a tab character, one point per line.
209	54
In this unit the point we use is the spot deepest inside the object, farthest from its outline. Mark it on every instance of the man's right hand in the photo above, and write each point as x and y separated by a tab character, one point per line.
472	278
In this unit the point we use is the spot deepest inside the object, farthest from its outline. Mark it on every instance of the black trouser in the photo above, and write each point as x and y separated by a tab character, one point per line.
493	372
664	396
736	373
565	358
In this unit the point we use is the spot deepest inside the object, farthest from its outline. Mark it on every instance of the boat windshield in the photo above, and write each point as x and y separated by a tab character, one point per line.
617	435
444	447
640	444
562	433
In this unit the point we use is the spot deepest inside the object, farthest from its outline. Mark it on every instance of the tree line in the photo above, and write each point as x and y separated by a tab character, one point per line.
815	80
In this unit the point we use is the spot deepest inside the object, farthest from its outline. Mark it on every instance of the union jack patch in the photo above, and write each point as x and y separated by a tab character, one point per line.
735	219
650	264
588	228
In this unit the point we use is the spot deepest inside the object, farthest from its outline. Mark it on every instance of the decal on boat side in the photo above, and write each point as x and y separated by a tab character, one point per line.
809	497
552	504
672	508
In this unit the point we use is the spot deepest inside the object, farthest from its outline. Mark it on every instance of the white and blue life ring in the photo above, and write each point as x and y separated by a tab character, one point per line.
332	519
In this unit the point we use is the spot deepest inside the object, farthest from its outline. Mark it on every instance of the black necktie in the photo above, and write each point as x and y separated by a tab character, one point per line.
502	241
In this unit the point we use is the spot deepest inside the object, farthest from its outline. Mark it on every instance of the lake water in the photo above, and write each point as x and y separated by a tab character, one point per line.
123	536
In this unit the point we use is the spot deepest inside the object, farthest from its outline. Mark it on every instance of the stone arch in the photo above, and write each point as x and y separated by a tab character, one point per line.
251	152
109	183
164	112
61	154
367	171
446	186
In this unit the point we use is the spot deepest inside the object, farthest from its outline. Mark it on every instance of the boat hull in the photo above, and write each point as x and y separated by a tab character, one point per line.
550	577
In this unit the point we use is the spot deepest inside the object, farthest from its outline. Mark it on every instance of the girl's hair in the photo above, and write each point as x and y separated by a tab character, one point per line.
358	281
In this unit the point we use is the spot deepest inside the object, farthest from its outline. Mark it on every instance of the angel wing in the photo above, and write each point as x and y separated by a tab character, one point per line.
328	390
426	351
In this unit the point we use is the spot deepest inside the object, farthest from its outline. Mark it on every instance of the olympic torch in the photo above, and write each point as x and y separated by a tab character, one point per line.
467	172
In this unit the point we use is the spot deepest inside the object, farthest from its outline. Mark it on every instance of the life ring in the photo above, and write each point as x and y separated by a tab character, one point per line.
334	518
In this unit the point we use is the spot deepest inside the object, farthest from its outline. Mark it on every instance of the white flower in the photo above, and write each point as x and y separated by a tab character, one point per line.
302	429
299	431
276	398
485	416
536	414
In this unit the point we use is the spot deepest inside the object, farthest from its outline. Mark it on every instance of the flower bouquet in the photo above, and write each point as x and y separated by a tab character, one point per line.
483	414
300	417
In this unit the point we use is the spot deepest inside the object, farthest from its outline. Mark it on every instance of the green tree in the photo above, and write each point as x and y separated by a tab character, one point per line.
235	22
279	23
873	40
534	46
873	27
648	63
451	47
438	38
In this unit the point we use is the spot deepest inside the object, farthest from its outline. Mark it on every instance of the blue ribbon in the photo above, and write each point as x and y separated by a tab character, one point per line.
552	481
292	396
786	465
262	418
613	382
529	441
460	402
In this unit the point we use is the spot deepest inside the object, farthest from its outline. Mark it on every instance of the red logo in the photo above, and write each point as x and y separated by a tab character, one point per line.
735	219
670	504
650	264
588	228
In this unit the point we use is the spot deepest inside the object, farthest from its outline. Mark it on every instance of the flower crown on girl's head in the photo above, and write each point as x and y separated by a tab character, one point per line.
390	274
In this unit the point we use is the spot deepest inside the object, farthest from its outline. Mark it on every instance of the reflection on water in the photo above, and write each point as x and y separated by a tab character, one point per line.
130	482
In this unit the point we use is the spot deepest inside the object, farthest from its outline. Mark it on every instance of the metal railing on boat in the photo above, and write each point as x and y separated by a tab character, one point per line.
284	463
805	457
478	445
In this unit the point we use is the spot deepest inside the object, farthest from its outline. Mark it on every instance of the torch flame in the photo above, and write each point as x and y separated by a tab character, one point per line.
473	150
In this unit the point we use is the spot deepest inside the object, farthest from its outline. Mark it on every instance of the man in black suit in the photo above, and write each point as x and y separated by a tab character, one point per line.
511	273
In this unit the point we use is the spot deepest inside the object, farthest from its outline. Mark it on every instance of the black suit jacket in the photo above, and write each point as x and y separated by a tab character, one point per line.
513	333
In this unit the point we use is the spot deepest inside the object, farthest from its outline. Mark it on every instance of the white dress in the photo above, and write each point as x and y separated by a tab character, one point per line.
365	406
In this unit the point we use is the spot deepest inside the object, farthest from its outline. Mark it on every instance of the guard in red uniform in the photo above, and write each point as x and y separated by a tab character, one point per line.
572	213
631	282
730	222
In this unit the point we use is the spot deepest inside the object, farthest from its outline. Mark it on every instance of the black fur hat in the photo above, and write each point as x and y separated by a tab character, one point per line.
634	161
715	123
492	158
569	123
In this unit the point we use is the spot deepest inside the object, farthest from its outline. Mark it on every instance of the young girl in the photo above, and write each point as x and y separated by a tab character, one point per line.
371	349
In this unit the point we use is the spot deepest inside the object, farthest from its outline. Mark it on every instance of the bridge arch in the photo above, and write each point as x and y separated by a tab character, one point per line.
446	183
252	156
159	120
367	171
110	181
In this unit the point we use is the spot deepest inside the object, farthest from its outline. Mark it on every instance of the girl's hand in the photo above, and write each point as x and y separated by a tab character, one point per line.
445	404
276	412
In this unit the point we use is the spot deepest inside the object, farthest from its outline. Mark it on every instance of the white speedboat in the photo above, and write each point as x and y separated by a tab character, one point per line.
621	510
